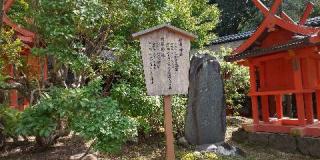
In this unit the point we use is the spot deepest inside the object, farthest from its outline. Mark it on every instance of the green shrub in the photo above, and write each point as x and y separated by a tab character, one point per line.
82	110
9	118
179	109
147	110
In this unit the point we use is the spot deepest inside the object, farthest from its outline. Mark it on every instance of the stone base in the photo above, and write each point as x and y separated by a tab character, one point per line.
282	142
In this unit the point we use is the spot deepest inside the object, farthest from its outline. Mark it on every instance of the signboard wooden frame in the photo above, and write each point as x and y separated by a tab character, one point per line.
166	62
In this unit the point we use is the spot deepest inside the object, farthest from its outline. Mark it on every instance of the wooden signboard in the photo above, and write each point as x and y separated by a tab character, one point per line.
165	54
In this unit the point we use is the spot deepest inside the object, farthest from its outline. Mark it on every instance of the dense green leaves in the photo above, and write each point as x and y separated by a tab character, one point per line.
82	110
9	54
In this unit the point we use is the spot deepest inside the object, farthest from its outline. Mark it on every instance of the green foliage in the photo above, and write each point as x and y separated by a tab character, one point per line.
233	15
236	79
85	111
102	121
135	103
179	108
9	48
10	118
202	156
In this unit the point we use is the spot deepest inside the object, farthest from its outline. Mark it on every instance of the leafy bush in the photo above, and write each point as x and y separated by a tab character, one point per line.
179	109
9	118
134	102
82	110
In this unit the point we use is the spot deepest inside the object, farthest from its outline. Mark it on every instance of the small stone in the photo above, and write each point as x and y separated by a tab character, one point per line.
87	157
90	157
183	142
224	149
207	148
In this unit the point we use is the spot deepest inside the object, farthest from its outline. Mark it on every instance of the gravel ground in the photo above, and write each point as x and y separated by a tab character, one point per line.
151	148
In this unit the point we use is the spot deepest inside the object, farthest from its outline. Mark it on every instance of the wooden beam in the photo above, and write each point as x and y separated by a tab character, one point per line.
286	17
308	10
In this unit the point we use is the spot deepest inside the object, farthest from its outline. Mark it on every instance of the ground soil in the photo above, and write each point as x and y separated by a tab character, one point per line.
147	148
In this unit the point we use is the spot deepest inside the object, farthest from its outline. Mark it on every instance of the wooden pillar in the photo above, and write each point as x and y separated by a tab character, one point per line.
298	86
309	107
279	107
265	108
254	99
168	128
318	104
264	99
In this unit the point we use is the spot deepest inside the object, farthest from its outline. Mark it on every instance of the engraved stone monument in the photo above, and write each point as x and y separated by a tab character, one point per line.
206	115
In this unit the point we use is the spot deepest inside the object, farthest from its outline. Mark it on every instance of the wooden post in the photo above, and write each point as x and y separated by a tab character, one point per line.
265	108
254	99
318	104
308	107
298	86
279	107
168	128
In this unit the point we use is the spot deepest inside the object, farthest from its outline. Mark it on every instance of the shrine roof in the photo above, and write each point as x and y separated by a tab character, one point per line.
312	22
297	42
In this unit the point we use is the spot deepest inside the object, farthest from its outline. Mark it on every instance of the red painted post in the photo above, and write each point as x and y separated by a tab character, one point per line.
309	107
300	109
318	104
254	99
279	107
298	86
265	108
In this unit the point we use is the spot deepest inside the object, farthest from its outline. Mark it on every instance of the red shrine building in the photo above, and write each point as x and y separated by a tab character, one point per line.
284	60
36	66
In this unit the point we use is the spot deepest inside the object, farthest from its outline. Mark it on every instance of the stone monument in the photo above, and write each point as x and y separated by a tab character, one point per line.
206	114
